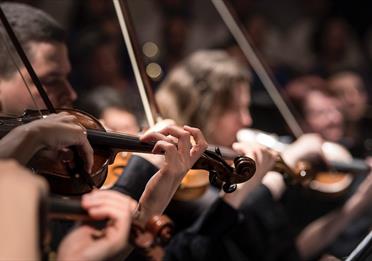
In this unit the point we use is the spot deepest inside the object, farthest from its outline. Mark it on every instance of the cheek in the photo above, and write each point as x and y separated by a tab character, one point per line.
226	129
14	94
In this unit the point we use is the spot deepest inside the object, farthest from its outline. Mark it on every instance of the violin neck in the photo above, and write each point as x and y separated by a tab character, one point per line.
118	141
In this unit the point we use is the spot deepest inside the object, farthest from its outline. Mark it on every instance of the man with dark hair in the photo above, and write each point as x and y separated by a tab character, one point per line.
44	42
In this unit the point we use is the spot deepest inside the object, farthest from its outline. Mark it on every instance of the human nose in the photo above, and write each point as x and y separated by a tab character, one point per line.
69	92
245	118
335	116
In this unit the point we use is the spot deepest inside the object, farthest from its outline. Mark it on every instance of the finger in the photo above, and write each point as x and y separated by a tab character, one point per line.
238	147
155	136
161	125
107	211
87	153
244	148
200	143
66	118
184	143
108	205
163	147
101	197
80	139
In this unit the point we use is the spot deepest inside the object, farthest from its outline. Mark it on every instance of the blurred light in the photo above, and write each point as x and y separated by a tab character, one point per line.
150	49
154	71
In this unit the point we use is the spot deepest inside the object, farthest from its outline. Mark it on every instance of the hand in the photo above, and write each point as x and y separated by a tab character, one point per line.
18	179
179	156
156	160
265	160
20	194
306	145
59	131
81	244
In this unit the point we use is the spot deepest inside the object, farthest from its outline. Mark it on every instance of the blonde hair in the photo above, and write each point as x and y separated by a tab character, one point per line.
201	88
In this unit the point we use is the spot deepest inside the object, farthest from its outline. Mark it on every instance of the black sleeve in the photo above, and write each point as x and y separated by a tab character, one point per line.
224	233
135	177
271	223
200	242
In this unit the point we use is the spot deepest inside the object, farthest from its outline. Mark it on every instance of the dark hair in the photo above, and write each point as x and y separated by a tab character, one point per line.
101	98
313	84
30	25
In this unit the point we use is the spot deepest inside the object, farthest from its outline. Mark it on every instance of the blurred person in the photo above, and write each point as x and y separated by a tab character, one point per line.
116	111
43	40
298	35
200	88
351	91
335	46
175	31
321	112
97	63
318	108
265	38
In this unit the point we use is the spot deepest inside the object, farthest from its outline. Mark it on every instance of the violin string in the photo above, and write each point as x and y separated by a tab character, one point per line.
7	47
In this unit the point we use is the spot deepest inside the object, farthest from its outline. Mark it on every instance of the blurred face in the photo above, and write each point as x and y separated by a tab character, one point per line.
353	98
120	121
233	119
336	37
51	64
322	116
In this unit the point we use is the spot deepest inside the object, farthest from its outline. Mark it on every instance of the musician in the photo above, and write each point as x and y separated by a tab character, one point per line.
53	133
210	85
320	112
20	219
323	107
115	110
43	40
350	90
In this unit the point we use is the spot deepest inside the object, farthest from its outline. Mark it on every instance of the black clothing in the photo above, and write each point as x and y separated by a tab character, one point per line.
135	177
258	231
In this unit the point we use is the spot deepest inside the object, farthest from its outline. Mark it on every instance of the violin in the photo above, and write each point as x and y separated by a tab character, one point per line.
106	145
67	180
150	239
335	175
115	170
329	175
199	184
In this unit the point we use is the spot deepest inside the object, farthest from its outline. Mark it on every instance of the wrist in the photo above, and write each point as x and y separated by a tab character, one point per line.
32	135
275	183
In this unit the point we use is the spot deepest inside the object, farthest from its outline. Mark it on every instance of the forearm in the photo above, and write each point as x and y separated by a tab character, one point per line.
319	234
154	200
20	144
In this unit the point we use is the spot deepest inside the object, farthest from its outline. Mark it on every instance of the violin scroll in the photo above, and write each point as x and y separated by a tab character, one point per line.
157	232
221	174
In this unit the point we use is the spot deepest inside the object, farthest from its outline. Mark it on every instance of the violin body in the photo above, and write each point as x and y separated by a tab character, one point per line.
331	176
193	185
115	170
54	165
